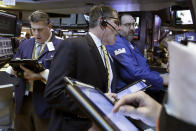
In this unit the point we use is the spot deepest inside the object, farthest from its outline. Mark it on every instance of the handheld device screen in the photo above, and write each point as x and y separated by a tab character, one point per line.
106	108
141	85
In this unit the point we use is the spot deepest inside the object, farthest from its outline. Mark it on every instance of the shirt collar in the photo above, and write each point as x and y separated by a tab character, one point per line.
95	39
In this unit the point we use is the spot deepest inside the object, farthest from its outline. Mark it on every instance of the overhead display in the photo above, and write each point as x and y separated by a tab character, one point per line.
183	17
7	24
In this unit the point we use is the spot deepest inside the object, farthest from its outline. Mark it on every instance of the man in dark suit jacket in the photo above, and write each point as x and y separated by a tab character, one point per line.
81	58
32	111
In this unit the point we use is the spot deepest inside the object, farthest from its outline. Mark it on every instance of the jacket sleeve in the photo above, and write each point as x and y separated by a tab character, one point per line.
129	68
62	65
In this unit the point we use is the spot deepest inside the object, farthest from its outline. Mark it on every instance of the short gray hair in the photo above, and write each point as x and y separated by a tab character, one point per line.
37	16
97	11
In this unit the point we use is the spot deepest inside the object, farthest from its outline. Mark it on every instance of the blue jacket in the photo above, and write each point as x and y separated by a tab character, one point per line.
25	51
131	65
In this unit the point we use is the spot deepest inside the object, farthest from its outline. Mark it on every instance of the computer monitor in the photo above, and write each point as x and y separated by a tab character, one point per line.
6	92
5	47
68	21
137	28
7	24
192	4
81	20
183	17
179	37
55	22
6	50
190	36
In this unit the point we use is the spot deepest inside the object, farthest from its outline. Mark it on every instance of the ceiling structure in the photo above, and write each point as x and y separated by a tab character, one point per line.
83	6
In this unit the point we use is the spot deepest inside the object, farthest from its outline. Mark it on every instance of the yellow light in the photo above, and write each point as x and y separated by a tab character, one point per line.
2	11
2	5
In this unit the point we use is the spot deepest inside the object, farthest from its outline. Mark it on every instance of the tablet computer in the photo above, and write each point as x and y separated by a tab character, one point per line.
140	85
28	63
97	106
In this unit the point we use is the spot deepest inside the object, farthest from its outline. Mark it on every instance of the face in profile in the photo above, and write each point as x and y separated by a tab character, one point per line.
127	27
109	37
41	31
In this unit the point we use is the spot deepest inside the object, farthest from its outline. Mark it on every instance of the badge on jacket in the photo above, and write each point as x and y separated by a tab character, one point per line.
50	46
119	51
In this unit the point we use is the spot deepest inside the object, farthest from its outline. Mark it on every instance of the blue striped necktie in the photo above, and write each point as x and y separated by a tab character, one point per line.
37	51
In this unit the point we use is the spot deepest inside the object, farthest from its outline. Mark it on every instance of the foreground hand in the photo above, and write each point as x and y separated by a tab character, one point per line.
30	75
147	109
111	96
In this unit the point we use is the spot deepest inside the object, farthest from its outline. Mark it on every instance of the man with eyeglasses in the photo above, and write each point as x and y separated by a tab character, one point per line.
84	59
131	65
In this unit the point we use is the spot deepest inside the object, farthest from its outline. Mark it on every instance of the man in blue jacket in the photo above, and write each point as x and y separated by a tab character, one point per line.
131	65
32	111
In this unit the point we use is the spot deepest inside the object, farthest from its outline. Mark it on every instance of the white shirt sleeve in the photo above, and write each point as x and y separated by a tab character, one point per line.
45	74
9	70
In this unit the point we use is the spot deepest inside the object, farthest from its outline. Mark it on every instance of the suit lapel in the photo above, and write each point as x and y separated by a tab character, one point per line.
97	58
44	51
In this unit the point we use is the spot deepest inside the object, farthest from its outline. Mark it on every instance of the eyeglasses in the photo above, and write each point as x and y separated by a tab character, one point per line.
130	24
116	21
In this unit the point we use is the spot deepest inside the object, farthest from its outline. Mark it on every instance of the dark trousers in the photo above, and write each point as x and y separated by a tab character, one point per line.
27	119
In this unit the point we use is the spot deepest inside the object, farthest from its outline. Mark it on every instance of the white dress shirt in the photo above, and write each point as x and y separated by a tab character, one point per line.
98	44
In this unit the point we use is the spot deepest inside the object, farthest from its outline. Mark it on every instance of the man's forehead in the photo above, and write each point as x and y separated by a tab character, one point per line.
115	14
127	19
39	24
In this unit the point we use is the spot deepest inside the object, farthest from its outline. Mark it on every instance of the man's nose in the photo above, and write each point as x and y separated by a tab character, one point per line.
36	32
132	28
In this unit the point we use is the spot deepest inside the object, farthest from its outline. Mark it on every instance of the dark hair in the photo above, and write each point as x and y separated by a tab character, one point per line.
98	11
39	16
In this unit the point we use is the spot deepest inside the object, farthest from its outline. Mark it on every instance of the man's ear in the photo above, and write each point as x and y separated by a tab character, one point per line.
103	27
50	25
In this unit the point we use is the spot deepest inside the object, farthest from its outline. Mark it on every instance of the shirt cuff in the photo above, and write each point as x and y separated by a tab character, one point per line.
44	74
9	70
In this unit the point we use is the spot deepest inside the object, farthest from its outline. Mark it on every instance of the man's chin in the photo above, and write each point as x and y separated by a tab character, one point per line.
130	37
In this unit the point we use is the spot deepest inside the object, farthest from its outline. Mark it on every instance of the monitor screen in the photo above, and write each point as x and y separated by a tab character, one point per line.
179	37
69	21
183	17
137	29
6	49
140	85
55	21
81	19
191	36
7	24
